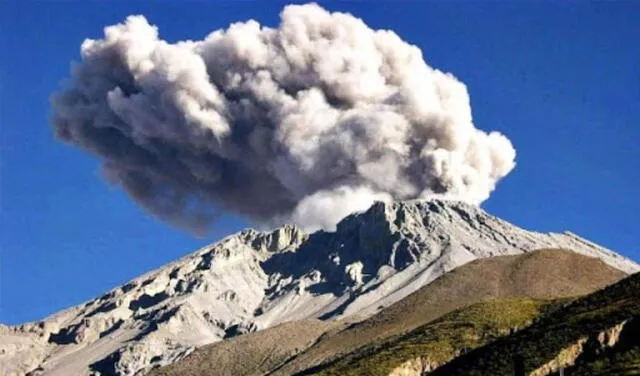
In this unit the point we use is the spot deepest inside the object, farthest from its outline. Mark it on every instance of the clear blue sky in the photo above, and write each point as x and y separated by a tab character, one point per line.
562	81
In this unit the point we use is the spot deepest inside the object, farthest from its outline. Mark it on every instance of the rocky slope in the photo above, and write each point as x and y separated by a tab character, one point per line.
254	280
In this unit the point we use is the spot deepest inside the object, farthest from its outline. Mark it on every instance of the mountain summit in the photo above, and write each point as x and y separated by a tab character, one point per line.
254	280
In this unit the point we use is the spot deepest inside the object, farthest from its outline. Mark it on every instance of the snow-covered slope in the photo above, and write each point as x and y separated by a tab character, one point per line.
254	280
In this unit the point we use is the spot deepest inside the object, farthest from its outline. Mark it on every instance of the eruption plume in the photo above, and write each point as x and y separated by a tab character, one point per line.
301	123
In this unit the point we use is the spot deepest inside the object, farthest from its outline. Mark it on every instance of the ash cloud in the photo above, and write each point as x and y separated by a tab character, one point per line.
301	123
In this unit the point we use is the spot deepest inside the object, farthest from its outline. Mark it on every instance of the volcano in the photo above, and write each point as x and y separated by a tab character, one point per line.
253	280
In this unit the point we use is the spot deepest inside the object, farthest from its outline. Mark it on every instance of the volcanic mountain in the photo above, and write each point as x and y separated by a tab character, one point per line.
254	280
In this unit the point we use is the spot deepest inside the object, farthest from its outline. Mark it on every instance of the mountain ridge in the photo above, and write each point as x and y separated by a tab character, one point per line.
254	280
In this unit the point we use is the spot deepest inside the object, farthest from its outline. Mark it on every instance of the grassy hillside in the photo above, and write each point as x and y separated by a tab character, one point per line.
600	333
441	340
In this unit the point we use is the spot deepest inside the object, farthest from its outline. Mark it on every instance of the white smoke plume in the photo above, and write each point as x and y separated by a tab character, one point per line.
302	123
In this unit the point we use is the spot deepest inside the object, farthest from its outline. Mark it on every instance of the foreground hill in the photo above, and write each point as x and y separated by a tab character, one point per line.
254	280
532	277
595	335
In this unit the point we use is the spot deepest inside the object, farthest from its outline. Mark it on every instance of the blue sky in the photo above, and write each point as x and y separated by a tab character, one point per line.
562	81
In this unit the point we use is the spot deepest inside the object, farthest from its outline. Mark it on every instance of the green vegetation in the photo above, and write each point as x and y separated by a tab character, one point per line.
444	338
586	319
624	361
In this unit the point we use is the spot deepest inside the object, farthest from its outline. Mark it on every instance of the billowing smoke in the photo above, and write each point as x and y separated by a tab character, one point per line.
302	123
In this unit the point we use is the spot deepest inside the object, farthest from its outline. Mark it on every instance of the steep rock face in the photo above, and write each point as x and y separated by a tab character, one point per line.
254	280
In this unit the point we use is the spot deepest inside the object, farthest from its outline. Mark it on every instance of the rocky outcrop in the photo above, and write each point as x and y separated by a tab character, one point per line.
567	357
415	367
